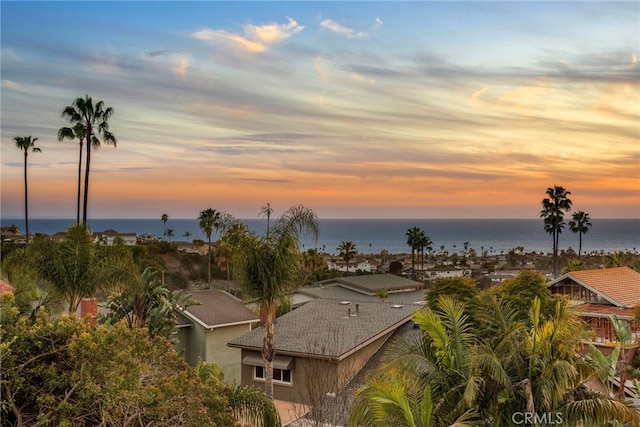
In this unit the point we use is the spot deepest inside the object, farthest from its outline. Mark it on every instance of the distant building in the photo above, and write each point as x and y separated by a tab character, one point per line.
110	236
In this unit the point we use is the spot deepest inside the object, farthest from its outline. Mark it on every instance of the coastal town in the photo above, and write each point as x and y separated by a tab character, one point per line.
346	312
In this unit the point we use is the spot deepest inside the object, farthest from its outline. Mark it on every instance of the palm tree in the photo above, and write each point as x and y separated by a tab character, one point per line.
616	259
78	131
26	144
268	268
164	219
412	235
623	337
347	252
186	235
169	233
312	262
423	242
95	120
209	221
553	208
267	210
580	223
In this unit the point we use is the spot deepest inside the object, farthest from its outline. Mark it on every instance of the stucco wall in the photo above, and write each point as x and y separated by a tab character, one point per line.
227	358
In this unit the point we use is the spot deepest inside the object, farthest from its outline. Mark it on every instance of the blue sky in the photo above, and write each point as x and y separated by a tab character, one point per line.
355	109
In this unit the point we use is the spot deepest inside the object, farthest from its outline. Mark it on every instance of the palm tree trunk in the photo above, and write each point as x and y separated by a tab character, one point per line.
209	262
26	202
86	175
268	350
79	184
579	243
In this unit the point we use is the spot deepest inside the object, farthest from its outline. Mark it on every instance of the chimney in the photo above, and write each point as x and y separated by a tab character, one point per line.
357	308
349	312
89	308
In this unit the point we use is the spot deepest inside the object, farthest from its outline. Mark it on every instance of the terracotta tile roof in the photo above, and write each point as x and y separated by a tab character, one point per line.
620	285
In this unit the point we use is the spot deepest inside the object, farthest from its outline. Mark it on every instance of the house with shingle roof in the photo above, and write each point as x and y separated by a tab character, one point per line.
601	293
204	330
400	290
320	346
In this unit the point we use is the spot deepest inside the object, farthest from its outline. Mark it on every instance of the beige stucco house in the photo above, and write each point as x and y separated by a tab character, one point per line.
205	329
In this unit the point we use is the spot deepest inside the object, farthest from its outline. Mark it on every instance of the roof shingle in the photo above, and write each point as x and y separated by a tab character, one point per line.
325	328
218	308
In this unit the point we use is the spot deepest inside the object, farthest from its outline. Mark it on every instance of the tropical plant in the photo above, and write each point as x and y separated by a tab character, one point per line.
268	267
95	122
76	267
553	208
169	233
580	223
423	242
26	144
145	302
313	262
347	252
164	219
209	221
79	132
412	236
616	259
266	211
186	235
623	335
488	374
574	264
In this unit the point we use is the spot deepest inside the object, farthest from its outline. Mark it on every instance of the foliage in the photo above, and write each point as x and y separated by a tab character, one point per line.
520	291
90	120
553	208
453	369
146	303
616	259
268	266
347	252
66	372
580	223
26	144
462	289
76	268
395	267
574	264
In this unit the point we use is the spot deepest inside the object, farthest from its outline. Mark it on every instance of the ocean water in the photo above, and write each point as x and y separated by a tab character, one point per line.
374	235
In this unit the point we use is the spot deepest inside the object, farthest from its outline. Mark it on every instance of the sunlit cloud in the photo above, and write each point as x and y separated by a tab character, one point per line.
256	38
334	27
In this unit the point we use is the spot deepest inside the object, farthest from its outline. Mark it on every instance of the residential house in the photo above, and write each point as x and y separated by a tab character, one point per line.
320	346
205	329
400	290
110	236
447	272
601	293
359	263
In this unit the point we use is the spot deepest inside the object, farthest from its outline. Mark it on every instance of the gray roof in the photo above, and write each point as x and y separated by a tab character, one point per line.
324	328
369	284
343	294
218	308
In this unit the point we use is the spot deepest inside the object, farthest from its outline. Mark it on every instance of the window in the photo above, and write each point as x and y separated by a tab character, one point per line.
279	375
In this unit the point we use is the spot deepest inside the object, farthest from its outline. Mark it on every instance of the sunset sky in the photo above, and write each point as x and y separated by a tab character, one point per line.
354	109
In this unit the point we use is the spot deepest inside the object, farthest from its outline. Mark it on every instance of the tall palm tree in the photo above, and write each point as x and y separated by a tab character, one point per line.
169	233
412	235
347	252
580	223
79	132
553	208
95	119
186	235
164	219
267	210
423	242
268	268
209	221
26	144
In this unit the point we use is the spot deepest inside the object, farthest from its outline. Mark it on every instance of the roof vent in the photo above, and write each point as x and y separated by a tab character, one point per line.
345	302
396	306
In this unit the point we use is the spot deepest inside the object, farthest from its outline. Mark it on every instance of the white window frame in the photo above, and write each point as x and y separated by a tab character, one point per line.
276	379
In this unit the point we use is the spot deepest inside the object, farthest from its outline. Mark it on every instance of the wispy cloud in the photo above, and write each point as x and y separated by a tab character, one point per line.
256	38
